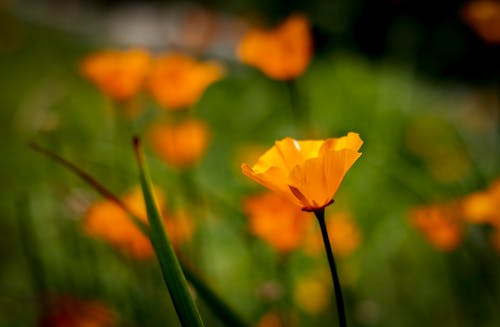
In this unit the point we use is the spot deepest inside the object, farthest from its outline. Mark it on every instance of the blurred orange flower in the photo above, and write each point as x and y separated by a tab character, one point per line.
484	17
308	173
118	74
441	224
106	220
483	206
344	235
270	319
276	220
182	144
66	311
282	53
177	81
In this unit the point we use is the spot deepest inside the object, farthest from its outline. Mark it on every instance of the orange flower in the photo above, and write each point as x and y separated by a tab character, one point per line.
276	220
177	81
118	74
484	17
72	312
282	53
106	220
181	144
308	173
270	319
441	224
483	206
344	235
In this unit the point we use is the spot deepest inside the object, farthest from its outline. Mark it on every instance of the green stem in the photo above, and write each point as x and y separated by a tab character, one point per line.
320	215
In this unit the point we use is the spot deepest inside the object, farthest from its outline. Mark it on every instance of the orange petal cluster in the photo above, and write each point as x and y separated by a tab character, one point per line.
483	206
67	311
118	74
106	220
180	144
441	224
484	17
344	235
276	220
177	81
308	173
282	53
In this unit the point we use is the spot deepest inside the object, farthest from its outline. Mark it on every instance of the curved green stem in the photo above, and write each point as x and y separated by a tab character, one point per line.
320	215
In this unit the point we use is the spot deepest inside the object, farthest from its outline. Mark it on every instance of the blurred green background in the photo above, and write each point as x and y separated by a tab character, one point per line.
413	79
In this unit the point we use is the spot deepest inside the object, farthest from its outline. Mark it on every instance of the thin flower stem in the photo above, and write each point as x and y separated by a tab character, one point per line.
320	215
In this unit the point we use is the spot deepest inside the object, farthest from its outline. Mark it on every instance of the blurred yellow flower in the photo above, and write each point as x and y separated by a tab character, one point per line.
181	144
106	220
312	295
308	173
118	74
282	53
483	206
276	220
178	81
484	17
65	311
344	235
441	224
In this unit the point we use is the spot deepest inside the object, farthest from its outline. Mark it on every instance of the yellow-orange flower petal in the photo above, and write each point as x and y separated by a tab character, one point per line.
282	53
177	81
483	206
276	220
182	144
118	74
441	224
308	173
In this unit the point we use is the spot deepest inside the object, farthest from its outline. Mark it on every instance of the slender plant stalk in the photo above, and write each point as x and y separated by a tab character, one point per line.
170	267
213	301
320	215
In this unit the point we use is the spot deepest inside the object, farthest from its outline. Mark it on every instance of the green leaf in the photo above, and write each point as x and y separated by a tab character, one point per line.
172	273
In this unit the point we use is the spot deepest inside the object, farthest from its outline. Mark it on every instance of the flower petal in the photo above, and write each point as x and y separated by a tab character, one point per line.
274	179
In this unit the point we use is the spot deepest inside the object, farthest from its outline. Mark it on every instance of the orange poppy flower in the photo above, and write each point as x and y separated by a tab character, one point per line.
282	53
181	144
440	224
270	319
308	173
344	235
484	17
66	311
483	206
276	220
118	74
106	220
177	81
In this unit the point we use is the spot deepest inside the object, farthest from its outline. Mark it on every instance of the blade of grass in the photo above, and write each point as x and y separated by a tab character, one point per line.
172	273
213	301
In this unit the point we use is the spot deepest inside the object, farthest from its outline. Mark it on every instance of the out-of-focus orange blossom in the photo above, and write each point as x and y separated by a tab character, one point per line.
484	18
270	319
180	144
483	206
282	53
308	173
118	74
441	224
106	220
344	235
276	220
178	81
67	311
